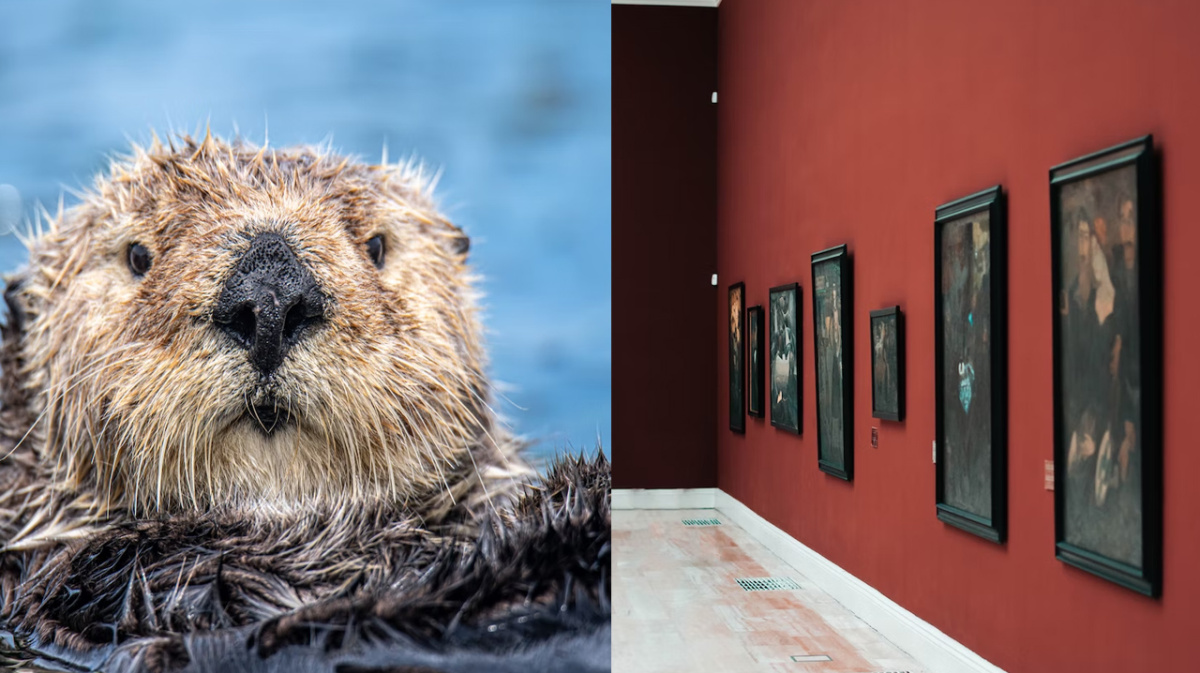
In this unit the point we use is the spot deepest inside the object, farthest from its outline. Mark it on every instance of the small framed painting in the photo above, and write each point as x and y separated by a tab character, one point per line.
754	323
1107	335
835	377
737	358
887	364
969	364
785	357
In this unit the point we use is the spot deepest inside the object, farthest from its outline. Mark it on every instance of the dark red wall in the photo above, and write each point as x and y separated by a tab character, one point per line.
849	121
664	246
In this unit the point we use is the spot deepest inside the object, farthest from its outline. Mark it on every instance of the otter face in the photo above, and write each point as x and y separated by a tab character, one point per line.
220	323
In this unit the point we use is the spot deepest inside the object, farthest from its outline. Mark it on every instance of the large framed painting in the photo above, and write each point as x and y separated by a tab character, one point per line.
832	332
887	364
737	358
969	360
784	301
754	341
1107	279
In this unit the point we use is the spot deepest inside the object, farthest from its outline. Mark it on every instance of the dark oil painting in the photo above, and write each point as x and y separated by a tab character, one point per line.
887	373
831	313
970	364
785	357
754	323
1099	360
967	374
737	358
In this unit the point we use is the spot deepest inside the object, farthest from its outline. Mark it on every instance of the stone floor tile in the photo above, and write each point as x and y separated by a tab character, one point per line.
677	606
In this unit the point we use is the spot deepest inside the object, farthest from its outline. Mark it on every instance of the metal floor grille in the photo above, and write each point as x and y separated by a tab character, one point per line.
767	583
701	522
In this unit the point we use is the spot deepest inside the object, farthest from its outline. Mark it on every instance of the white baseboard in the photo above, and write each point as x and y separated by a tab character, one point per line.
920	639
664	498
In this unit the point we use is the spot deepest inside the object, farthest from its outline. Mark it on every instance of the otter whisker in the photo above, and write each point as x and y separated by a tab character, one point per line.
48	409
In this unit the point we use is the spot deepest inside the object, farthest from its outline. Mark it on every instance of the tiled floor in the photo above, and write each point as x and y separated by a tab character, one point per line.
677	606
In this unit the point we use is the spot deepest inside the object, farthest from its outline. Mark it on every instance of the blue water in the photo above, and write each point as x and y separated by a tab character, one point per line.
510	98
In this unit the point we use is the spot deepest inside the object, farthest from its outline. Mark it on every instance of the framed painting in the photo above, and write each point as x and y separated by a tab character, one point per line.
970	364
1107	278
834	366
887	364
754	397
737	358
784	301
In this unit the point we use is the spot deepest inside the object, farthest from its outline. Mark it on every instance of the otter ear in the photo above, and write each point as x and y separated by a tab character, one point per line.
12	298
460	243
453	239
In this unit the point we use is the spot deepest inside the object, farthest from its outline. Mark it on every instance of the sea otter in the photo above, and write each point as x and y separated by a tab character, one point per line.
246	425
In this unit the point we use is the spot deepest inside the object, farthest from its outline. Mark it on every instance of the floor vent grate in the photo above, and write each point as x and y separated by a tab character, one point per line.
810	658
701	522
767	583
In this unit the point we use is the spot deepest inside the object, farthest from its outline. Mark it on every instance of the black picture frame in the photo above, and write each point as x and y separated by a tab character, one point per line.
755	398
1097	503
966	497
887	364
832	297
737	358
785	390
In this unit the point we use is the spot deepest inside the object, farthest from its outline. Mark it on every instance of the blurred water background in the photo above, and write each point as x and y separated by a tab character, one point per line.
510	98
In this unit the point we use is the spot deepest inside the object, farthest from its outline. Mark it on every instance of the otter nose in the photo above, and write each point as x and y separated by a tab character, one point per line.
269	302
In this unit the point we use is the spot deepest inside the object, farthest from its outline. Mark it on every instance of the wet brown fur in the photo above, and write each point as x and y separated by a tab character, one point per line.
129	465
131	395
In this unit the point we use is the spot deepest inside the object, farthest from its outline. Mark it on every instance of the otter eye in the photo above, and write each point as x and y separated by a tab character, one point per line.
139	259
375	249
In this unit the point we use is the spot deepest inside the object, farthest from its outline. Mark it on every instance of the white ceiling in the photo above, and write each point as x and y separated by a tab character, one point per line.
671	3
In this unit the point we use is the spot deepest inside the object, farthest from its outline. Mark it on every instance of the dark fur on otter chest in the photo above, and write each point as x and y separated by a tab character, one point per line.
363	590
